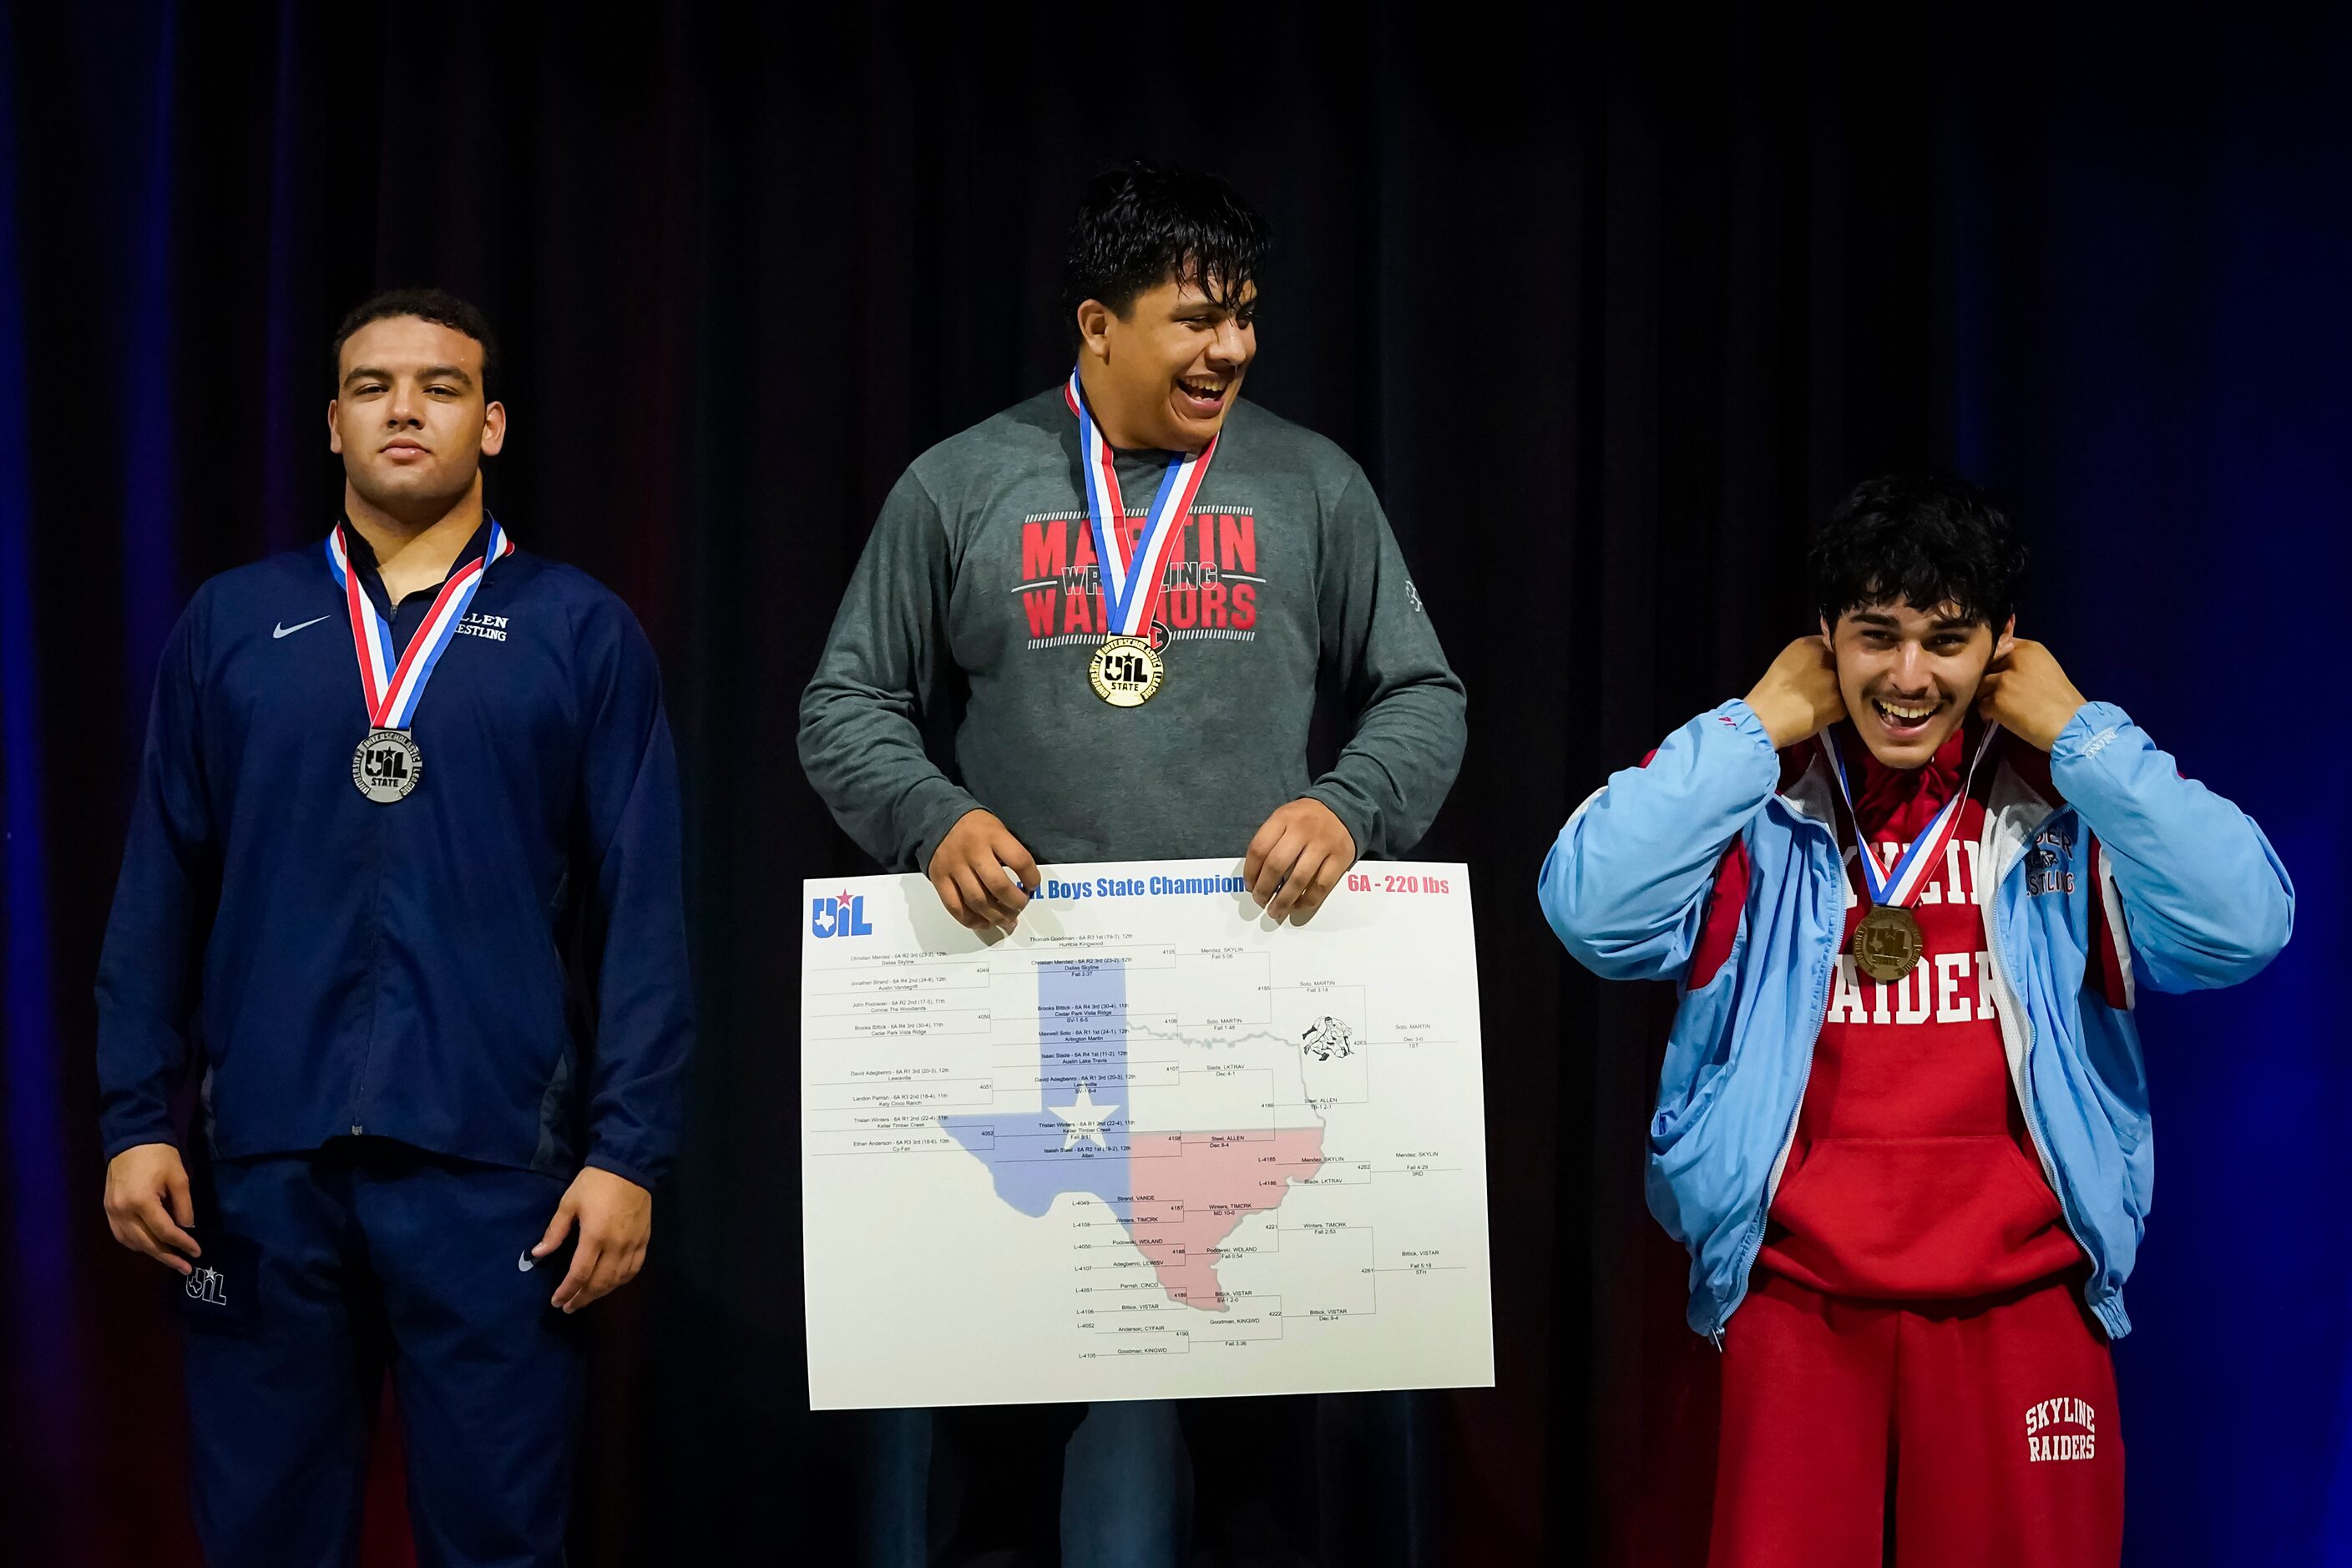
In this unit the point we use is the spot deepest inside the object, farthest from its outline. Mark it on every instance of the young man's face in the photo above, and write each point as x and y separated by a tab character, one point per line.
409	417
1908	676
1171	367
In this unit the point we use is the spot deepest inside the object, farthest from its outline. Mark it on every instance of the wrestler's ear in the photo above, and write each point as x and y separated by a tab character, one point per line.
1094	327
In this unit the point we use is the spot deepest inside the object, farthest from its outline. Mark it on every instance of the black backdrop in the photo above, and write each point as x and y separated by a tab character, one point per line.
1609	301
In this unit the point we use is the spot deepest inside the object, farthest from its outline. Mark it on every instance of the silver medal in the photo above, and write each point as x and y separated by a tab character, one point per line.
388	766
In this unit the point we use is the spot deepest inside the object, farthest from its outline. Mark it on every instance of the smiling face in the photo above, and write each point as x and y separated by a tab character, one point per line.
1166	373
411	419
1909	677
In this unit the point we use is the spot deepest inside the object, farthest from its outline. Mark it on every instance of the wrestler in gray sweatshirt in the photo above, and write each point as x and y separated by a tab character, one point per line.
982	563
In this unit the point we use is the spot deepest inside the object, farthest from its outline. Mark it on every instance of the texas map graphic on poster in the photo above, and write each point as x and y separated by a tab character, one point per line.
1150	1145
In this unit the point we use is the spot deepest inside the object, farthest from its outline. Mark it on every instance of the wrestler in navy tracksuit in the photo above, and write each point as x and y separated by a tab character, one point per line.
410	1024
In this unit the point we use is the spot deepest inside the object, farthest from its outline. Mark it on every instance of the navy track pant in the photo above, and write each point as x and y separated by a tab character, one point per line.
320	1271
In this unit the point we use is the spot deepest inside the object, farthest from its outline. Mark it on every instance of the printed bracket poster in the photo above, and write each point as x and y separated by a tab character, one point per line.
1151	1145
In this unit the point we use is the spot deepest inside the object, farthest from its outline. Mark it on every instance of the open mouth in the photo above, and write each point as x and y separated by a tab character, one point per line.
1904	720
1202	396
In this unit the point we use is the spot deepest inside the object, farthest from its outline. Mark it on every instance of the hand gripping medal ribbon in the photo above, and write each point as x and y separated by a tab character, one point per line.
388	765
1887	942
1127	671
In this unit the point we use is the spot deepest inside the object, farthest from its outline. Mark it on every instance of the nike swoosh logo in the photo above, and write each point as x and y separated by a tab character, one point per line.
287	631
524	1264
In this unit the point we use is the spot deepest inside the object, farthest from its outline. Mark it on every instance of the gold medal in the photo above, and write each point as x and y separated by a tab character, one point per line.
1887	944
1126	672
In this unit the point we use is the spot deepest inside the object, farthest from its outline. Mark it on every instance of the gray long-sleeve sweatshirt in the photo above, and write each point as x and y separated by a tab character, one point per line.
982	560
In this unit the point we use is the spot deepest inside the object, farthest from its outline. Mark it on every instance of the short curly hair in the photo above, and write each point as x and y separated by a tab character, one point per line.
1928	540
438	306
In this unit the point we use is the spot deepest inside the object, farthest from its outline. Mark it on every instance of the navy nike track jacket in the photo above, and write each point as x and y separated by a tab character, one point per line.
493	968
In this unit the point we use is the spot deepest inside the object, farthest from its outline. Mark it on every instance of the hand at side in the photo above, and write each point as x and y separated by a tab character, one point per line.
615	1217
149	1205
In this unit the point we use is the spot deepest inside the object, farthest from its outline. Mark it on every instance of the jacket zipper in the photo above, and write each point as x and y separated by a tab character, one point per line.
2019	1079
360	1099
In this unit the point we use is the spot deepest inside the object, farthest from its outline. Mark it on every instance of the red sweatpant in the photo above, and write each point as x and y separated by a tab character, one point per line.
1931	1435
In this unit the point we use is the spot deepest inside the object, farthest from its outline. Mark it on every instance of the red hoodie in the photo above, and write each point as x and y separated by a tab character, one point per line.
1912	1176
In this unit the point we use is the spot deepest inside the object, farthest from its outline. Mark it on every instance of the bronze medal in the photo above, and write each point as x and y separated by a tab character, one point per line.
1126	672
1887	944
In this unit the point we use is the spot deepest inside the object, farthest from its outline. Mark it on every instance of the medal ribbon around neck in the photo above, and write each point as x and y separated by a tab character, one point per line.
1131	585
392	685
1896	887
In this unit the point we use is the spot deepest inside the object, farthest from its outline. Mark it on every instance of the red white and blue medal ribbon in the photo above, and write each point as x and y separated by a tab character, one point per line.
1131	581
1895	887
388	765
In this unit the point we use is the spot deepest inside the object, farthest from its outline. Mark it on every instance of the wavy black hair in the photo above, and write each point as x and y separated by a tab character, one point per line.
438	306
1140	224
1928	540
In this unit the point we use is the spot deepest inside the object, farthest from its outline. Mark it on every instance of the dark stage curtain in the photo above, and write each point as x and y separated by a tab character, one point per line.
1610	300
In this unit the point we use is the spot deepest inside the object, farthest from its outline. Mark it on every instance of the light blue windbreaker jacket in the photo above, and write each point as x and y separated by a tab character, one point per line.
2187	875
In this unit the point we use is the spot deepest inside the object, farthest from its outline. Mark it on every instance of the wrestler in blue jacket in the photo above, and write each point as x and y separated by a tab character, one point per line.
400	911
338	966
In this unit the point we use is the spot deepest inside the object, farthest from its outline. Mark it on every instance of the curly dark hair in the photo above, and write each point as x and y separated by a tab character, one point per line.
1928	539
438	306
1140	224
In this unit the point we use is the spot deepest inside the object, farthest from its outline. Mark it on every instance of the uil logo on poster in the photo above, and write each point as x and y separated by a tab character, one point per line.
843	914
